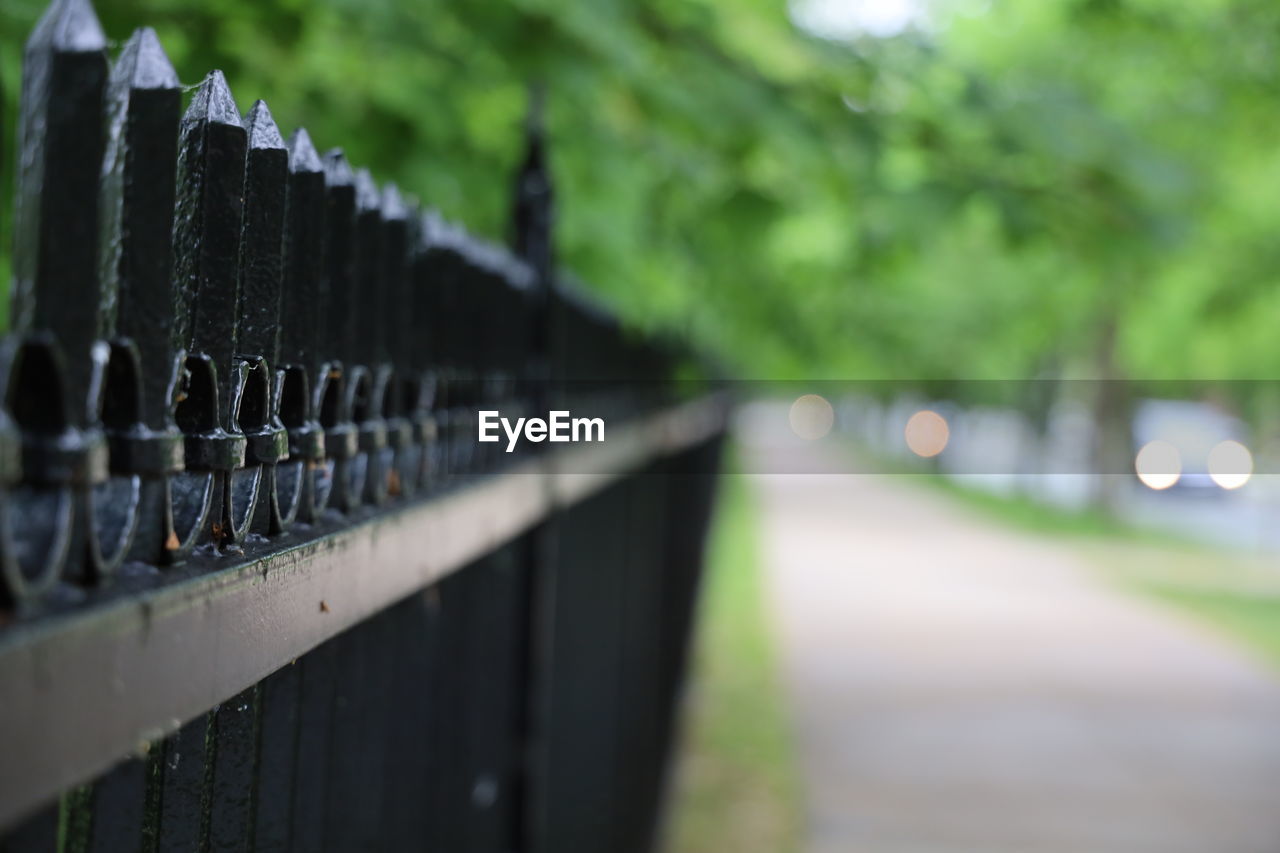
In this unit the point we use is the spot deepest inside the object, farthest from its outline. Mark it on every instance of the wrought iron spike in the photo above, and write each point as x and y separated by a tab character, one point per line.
214	103
368	300
55	263
366	191
68	26
302	153
448	325
469	288
301	302
210	210
402	389
261	258
337	170
262	129
394	205
143	65
428	266
300	323
138	186
339	337
261	268
396	315
534	208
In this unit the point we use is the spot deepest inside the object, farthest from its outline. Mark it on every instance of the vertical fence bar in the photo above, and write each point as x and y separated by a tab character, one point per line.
258	343
341	438
187	763
532	216
61	140
409	811
366	659
138	192
233	779
422	347
440	271
369	348
118	802
57	306
210	211
138	189
402	385
302	303
467	318
312	772
277	735
582	736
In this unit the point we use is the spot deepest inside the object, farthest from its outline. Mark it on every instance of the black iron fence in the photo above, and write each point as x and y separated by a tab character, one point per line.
260	585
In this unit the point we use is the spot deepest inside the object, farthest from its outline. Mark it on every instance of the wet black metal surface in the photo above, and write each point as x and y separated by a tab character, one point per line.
260	587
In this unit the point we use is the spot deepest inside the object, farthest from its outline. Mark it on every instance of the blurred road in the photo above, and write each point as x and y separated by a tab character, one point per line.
956	686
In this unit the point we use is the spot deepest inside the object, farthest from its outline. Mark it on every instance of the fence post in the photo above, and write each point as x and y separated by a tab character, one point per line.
209	217
368	378
424	353
397	321
59	307
138	190
258	344
435	274
301	310
531	238
341	439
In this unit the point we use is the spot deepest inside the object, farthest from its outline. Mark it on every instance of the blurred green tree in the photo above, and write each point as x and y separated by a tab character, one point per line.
1009	189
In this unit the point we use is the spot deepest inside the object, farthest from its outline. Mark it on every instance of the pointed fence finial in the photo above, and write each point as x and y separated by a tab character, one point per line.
337	170
68	26
262	129
302	153
143	64
393	203
262	243
533	213
210	209
396	300
340	208
213	102
61	138
138	185
368	300
301	314
366	191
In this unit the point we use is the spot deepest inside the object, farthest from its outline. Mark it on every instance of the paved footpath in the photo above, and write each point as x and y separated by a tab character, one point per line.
959	687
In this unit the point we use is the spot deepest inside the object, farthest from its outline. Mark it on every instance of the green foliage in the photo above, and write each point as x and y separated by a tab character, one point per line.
1251	619
1083	186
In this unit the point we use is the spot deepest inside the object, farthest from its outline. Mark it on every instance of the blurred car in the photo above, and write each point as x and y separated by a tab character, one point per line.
1194	428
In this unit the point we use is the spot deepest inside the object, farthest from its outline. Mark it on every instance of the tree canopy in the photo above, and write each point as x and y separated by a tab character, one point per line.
1010	188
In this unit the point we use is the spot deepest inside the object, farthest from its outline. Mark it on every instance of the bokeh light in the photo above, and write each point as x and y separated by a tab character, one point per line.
1230	464
811	417
1158	465
926	433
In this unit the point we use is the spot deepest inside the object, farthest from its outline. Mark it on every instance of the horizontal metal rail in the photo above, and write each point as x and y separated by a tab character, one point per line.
84	689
